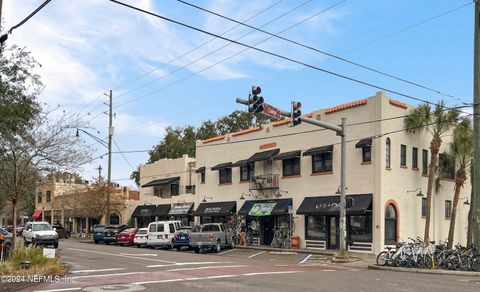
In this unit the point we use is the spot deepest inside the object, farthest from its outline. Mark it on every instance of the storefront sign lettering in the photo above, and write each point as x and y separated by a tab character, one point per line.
180	209
213	210
327	206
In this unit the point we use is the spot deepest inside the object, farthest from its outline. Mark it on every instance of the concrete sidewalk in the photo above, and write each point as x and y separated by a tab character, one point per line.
424	271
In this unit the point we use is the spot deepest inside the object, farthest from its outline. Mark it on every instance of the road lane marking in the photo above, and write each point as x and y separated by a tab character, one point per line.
305	259
58	290
140	254
99	270
256	254
327	270
187	264
270	273
222	276
158	281
108	275
120	255
204	268
227	251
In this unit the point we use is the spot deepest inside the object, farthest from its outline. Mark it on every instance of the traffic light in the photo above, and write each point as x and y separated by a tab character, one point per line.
255	101
296	113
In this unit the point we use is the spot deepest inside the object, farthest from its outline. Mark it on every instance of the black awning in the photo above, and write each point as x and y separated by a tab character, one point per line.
180	209
161	210
161	182
215	209
144	211
264	155
364	143
200	169
288	155
265	207
222	166
318	150
240	163
330	205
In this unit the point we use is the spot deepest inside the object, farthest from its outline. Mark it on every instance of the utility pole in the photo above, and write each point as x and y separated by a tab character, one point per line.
1	4
99	172
110	136
476	126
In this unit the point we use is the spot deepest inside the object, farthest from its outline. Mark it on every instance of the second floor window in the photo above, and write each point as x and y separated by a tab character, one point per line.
322	162
447	166
387	153
39	197
415	158
448	209
175	189
291	166
202	177
403	155
424	207
49	196
424	162
225	175
246	172
367	154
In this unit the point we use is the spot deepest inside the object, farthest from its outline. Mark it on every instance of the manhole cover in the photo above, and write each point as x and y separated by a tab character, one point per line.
120	287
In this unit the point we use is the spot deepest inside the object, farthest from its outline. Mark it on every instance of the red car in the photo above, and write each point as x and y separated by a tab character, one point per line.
126	236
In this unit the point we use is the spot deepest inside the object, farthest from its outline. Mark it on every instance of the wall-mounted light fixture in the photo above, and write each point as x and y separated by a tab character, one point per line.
419	194
205	198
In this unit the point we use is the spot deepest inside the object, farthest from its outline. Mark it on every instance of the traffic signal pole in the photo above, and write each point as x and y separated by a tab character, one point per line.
476	128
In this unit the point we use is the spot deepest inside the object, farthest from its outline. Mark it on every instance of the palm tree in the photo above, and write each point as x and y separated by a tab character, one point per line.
461	150
436	122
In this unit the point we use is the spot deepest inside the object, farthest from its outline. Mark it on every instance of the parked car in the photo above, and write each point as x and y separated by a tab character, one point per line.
162	233
182	236
212	235
141	237
98	233
111	232
9	228
19	230
7	241
127	236
61	231
40	233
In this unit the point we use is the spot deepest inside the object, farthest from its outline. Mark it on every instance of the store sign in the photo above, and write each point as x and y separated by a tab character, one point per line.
144	213
324	206
212	210
180	209
262	209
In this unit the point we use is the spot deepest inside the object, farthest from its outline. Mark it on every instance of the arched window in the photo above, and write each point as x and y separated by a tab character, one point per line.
387	153
114	219
390	224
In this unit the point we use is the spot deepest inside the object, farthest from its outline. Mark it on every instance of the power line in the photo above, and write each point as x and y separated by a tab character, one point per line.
274	54
318	50
28	17
124	157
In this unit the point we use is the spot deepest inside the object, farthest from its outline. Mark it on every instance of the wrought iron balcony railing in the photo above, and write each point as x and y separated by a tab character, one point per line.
264	182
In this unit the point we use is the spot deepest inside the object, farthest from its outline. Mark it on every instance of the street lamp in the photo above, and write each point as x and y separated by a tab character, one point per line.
419	194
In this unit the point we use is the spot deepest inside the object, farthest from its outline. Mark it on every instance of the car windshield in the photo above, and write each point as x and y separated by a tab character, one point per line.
207	228
129	230
142	231
98	229
41	227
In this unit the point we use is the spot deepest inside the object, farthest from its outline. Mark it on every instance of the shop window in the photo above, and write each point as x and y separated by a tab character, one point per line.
114	219
322	162
39	197
415	158
315	227
57	217
367	154
390	224
360	228
48	216
49	196
403	155
246	172
447	166
424	162
424	207
225	175
291	166
175	189
448	209
202	177
387	153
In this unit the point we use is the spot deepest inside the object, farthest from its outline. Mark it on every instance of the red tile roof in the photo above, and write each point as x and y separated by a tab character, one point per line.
214	139
246	131
345	106
398	104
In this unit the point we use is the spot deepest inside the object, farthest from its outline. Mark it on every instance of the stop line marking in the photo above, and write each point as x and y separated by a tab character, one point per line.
99	270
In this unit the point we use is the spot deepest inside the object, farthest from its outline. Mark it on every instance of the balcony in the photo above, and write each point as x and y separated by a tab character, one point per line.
264	182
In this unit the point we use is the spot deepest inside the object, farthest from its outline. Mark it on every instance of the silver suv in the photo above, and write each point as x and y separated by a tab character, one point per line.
40	233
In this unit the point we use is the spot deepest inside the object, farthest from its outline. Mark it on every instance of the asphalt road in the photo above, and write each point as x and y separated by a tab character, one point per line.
120	268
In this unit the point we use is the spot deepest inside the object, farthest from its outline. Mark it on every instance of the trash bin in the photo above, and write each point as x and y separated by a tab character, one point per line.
295	241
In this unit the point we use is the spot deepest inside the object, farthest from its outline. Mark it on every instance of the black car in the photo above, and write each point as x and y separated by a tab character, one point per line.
111	231
61	231
98	233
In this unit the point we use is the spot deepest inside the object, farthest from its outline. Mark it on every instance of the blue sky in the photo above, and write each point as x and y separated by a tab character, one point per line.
88	47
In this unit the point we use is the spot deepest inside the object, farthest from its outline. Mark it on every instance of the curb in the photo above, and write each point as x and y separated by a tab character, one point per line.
286	250
424	271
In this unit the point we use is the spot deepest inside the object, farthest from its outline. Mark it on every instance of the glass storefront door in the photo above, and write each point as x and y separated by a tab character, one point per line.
333	230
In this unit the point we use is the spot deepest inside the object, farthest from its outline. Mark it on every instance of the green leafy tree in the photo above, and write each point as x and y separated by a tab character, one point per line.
437	122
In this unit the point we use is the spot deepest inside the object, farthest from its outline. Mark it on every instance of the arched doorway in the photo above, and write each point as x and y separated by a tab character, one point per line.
114	219
391	221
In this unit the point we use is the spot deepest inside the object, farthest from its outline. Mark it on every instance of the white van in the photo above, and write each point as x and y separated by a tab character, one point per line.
162	233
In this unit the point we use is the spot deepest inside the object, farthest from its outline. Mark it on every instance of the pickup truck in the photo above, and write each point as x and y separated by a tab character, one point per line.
212	235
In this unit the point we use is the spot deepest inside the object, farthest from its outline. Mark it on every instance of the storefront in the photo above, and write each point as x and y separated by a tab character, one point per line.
322	216
182	212
216	212
265	217
144	215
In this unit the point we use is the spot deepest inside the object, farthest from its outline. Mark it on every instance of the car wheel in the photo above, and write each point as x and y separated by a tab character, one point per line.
33	241
25	241
179	248
96	241
218	247
172	244
107	243
55	245
67	235
138	245
196	249
232	243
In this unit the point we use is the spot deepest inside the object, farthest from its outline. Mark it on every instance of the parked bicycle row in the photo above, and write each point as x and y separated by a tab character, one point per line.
418	254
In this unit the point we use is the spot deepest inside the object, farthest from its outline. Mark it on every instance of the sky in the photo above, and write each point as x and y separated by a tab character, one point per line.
162	74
